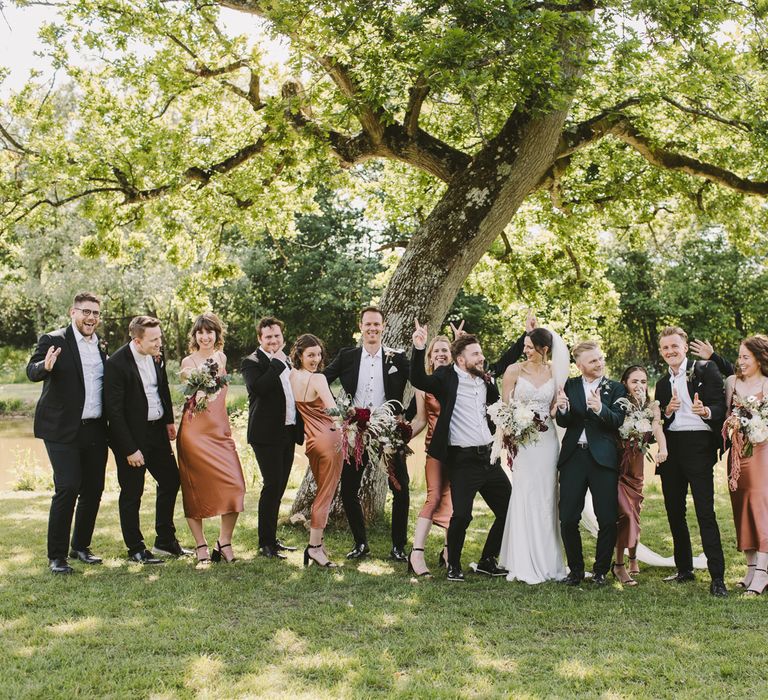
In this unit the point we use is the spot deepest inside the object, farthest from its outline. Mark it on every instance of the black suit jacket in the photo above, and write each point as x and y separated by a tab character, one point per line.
511	356
704	379
266	400
125	401
725	367
443	384
60	407
602	428
395	369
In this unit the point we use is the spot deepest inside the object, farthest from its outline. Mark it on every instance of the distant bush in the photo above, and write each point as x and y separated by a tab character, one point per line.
13	365
30	476
16	407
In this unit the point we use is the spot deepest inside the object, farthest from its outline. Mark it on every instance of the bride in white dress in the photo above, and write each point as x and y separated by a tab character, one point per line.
531	549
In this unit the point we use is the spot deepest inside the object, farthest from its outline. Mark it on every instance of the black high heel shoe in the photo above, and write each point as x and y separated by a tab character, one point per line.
307	558
629	581
411	570
204	560
217	556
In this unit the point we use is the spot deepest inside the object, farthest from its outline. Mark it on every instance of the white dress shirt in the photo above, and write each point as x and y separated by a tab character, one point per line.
93	373
370	380
469	426
148	373
685	419
588	387
290	401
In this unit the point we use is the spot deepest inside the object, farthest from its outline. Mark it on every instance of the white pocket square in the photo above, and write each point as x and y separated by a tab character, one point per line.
392	370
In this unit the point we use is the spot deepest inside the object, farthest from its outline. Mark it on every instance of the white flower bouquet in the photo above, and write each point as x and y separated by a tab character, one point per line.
746	427
517	425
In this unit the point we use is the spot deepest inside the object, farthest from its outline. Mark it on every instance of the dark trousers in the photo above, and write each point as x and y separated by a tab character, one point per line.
351	478
577	474
78	478
691	461
161	464
275	463
470	472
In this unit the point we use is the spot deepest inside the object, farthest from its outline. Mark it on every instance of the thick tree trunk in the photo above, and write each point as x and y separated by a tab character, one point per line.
373	497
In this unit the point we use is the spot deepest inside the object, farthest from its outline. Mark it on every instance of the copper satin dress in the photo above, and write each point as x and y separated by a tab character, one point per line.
750	500
630	501
323	449
438	506
211	476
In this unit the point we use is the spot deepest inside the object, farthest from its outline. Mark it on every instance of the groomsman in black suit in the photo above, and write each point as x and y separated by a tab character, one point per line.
586	408
141	426
274	427
692	401
462	442
69	418
372	375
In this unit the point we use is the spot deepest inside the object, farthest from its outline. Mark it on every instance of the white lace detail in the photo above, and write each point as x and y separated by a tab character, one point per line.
540	398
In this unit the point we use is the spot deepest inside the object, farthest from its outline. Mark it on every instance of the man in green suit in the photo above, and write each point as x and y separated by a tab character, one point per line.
587	409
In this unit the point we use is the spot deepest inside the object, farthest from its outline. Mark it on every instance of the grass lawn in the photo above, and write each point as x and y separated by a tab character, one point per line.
262	628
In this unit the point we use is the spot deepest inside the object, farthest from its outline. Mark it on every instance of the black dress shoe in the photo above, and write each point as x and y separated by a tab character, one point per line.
173	549
280	547
144	557
60	566
717	588
599	579
359	551
455	574
270	552
85	555
489	567
398	554
574	578
680	577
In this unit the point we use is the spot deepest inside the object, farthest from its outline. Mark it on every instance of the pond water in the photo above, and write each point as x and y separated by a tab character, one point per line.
19	448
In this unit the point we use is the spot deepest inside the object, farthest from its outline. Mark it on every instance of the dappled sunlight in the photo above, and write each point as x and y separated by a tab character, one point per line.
288	642
322	660
81	626
388	620
575	669
684	643
24	652
32	514
373	567
202	672
15	623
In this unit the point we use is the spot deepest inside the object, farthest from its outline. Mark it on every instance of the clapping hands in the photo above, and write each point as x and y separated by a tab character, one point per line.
420	335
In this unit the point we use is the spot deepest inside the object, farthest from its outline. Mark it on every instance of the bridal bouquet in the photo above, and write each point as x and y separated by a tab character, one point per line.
203	385
636	431
379	432
517	425
746	427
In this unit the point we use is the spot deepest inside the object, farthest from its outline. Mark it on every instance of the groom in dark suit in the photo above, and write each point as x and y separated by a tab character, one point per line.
70	419
373	374
589	459
692	402
141	426
274	427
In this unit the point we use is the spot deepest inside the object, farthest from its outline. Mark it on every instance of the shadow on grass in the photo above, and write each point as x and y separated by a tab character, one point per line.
266	628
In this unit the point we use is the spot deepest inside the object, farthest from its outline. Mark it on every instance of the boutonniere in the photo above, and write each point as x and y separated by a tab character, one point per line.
605	386
103	346
689	373
159	358
389	354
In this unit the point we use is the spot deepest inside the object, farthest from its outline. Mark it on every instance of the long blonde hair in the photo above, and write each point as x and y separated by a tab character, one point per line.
427	361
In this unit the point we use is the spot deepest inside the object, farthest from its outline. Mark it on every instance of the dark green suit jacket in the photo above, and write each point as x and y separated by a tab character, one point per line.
602	428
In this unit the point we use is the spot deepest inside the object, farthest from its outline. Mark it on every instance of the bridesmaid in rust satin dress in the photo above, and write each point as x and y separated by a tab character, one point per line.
437	508
323	438
635	379
211	476
748	476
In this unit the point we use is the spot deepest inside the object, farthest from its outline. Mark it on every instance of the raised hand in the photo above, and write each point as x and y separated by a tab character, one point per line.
419	335
50	358
562	400
530	321
674	403
594	402
702	348
458	331
698	407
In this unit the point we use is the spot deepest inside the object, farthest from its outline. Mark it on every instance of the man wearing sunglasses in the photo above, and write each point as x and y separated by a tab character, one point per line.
69	418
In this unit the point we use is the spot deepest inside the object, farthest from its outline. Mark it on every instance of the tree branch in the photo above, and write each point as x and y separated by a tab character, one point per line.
581	6
619	125
709	114
20	149
416	96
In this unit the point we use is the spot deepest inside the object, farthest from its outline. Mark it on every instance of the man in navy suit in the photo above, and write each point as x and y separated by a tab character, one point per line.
70	419
373	374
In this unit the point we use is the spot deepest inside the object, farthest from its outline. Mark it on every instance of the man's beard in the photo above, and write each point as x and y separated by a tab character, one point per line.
477	371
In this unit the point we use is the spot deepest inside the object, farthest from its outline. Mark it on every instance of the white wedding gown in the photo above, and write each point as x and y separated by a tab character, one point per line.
531	548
